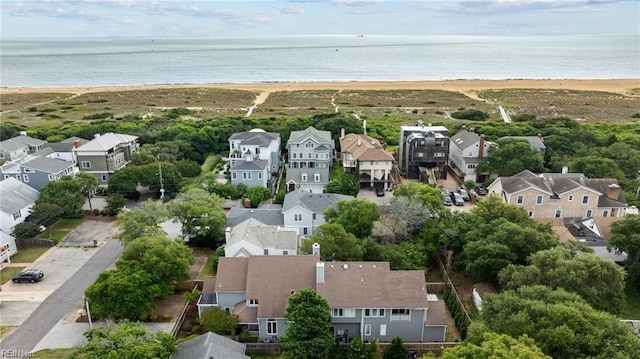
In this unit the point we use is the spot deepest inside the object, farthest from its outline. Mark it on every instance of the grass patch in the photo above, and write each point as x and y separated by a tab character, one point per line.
57	235
5	330
631	305
53	353
29	255
7	272
68	223
207	269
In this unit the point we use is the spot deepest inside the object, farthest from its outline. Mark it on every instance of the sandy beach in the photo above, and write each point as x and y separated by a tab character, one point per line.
623	86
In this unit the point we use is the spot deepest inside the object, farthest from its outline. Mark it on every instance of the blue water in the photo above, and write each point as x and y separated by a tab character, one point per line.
101	62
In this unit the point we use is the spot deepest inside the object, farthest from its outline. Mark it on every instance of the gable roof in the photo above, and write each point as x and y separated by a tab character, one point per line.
264	236
46	164
464	139
535	141
268	216
255	137
16	195
364	148
106	142
20	141
321	137
313	202
252	165
210	345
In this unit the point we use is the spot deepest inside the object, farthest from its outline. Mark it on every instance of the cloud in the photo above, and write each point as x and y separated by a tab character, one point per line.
291	9
356	2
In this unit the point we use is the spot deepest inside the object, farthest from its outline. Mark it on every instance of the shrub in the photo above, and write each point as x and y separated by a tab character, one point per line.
471	115
143	317
523	117
166	316
196	329
98	116
187	327
153	316
636	115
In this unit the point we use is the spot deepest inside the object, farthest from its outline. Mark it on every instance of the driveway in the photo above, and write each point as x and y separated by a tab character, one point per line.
88	231
369	194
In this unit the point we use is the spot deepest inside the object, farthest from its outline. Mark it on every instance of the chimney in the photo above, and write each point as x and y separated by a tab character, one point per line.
540	137
227	234
359	140
565	170
320	272
23	133
96	135
613	191
76	143
316	249
364	126
342	133
481	147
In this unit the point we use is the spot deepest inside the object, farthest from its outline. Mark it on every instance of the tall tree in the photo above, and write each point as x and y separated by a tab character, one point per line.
201	216
336	244
356	216
356	349
344	183
625	237
89	185
404	217
142	221
308	335
67	192
497	346
596	167
430	196
396	349
125	340
257	195
511	156
219	321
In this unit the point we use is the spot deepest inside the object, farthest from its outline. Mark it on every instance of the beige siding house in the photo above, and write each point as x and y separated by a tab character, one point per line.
365	155
106	154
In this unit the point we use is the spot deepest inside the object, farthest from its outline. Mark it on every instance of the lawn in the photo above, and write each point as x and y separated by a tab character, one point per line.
68	223
631	306
5	330
29	255
7	272
53	353
57	231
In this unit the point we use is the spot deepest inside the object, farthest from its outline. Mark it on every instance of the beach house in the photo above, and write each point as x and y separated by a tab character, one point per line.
106	154
310	157
366	156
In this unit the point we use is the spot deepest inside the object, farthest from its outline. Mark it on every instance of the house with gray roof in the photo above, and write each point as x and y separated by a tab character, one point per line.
421	148
270	215
210	346
63	150
310	155
257	142
19	146
250	171
254	238
536	142
561	195
366	299
37	171
303	210
106	154
8	247
16	201
467	150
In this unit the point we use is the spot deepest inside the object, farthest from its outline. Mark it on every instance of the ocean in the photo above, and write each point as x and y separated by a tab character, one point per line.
81	62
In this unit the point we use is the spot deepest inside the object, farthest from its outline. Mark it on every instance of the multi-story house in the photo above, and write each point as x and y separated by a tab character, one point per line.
310	157
366	299
561	195
303	210
261	144
250	171
19	146
536	142
365	155
422	147
37	171
106	154
254	238
62	150
467	150
15	206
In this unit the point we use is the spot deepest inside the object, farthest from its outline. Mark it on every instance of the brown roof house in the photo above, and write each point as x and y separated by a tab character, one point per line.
367	299
367	156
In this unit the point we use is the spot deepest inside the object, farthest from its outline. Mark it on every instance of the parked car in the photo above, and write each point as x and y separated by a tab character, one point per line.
28	275
457	199
379	192
465	195
481	191
447	200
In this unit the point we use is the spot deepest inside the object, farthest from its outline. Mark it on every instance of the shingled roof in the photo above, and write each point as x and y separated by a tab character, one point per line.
313	202
16	195
364	148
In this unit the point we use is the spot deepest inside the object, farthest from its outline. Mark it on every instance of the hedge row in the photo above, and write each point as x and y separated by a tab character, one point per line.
456	311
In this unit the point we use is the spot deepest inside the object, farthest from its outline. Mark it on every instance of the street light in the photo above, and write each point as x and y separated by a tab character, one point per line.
86	302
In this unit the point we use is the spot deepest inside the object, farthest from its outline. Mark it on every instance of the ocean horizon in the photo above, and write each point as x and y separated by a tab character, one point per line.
91	62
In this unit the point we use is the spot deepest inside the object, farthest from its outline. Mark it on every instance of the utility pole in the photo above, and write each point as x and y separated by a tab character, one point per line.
161	182
86	302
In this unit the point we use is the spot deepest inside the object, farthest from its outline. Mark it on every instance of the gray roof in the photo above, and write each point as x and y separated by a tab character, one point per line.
269	216
464	139
73	139
20	142
46	164
106	142
314	202
295	175
255	137
264	236
535	141
210	345
253	165
16	195
321	137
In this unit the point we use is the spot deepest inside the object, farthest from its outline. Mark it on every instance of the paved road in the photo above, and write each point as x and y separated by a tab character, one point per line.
60	302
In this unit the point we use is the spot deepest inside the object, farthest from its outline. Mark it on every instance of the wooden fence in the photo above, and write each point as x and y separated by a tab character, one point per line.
22	243
448	282
183	313
188	285
263	349
435	287
420	349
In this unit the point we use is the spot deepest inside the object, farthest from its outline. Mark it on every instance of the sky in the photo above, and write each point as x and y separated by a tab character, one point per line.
186	18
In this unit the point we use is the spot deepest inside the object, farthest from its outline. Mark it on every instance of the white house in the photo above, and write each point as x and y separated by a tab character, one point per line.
257	142
7	247
254	238
310	157
19	146
367	156
467	150
303	210
16	200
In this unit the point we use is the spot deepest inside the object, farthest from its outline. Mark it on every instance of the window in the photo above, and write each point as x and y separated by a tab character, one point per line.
25	178
304	177
571	198
383	330
285	253
252	302
103	178
313	216
294	155
520	199
605	213
6	176
539	199
316	177
309	145
297	217
50	176
585	199
272	327
309	155
401	314
1	154
558	213
367	329
344	313
589	212
17	215
86	164
29	170
305	231
246	175
531	214
471	166
374	312
266	252
234	175
259	175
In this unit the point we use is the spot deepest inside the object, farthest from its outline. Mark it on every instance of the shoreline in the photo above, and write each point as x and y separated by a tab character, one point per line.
622	86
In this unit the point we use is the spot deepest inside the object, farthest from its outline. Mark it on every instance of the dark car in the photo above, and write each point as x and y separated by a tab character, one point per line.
29	275
379	192
457	199
480	191
447	200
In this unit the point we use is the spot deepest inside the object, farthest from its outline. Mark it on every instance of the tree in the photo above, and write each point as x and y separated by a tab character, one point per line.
26	229
308	334
486	258
497	346
598	281
115	203
562	324
142	221
356	216
44	214
257	194
125	340
396	349
188	168
125	180
201	216
356	349
335	243
373	350
596	167
89	185
404	217
511	156
344	183
430	196
67	192
625	237
218	321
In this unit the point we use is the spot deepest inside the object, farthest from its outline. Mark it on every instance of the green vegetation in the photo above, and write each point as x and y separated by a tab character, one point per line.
7	272
29	255
308	333
631	305
53	353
